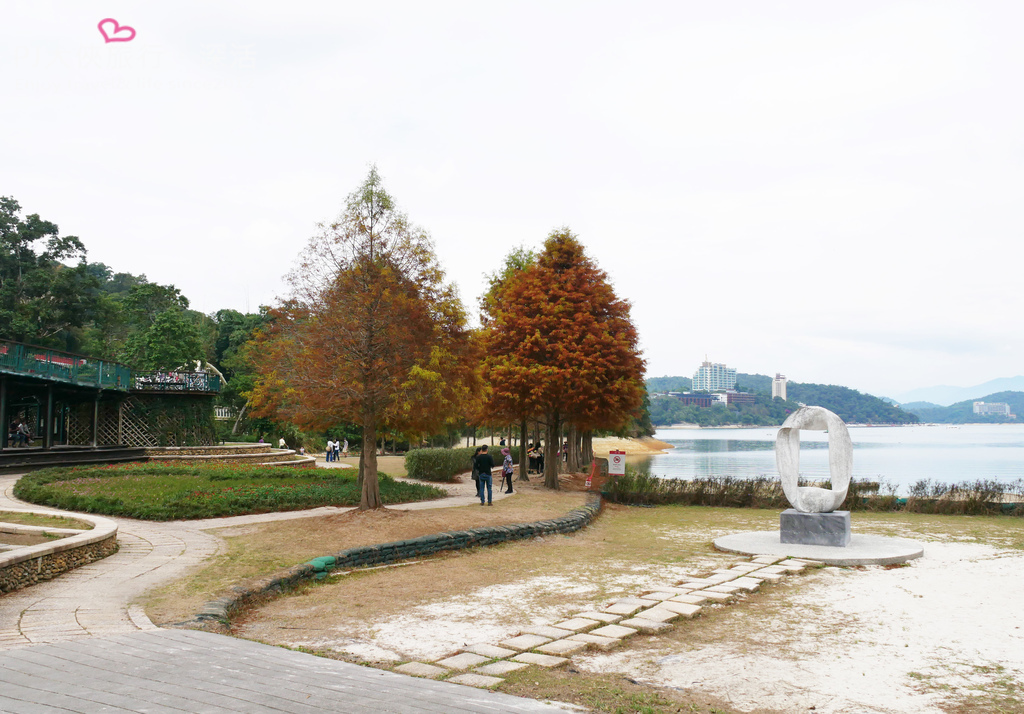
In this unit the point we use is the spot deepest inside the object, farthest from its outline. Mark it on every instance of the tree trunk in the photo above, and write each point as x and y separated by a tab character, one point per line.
588	447
573	460
371	486
238	419
552	459
524	460
362	470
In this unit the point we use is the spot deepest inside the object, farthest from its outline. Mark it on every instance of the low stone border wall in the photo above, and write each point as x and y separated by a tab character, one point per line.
35	563
221	609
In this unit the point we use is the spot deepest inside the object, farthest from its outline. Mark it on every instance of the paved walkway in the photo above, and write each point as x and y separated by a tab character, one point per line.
99	598
178	671
79	643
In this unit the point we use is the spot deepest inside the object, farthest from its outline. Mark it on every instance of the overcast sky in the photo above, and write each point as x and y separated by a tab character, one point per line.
832	190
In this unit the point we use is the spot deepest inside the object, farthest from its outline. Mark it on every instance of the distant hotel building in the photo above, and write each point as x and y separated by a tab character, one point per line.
779	386
992	409
714	378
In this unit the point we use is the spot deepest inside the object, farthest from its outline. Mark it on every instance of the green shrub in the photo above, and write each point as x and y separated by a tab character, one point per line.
639	487
165	492
445	464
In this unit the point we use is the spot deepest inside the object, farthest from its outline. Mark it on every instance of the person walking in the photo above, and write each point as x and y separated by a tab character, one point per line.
330	450
507	469
475	473
344	449
484	465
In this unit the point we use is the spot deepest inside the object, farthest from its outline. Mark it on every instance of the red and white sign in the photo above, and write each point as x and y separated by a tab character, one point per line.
617	463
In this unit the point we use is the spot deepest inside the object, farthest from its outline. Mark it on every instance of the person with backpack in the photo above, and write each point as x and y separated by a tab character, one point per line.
330	450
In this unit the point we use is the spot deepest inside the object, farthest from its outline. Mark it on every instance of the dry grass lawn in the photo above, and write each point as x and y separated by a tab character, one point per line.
259	549
428	610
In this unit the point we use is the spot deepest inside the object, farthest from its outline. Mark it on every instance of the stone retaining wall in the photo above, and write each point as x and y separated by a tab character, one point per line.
32	564
221	609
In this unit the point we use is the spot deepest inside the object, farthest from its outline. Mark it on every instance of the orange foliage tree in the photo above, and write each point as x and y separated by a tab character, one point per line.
373	334
562	346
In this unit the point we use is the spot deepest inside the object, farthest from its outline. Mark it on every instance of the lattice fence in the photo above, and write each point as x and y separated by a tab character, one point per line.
134	422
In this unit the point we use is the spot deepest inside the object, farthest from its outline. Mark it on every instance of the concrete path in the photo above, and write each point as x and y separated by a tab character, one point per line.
174	671
79	643
99	599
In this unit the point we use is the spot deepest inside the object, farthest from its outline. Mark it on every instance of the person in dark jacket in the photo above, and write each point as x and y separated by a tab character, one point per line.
484	466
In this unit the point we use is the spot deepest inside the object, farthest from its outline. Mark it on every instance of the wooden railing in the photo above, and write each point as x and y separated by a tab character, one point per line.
21	359
194	382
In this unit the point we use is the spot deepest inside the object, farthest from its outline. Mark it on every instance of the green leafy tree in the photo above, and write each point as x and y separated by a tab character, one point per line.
42	299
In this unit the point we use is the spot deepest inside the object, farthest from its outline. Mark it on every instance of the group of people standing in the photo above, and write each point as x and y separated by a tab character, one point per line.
336	449
483	466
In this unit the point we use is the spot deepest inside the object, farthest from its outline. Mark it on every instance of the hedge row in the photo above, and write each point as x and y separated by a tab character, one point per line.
384	553
445	464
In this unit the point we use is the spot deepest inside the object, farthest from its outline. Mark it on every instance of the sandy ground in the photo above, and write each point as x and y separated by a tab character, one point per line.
646	446
906	639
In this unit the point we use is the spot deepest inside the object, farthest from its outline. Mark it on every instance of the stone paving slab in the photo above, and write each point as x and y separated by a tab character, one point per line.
462	661
680	608
679	590
695	599
489	651
762	575
525	642
717	596
419	669
553	633
645	625
750	584
562	647
496	669
617	631
541	660
768	559
576	624
477	680
624	608
659	595
189	671
727	589
655	614
602	643
605	617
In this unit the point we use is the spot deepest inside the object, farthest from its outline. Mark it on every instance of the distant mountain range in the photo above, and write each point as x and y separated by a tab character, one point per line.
852	406
945	396
963	412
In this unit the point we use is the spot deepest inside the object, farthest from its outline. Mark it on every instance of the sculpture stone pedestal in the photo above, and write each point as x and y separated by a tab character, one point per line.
832	529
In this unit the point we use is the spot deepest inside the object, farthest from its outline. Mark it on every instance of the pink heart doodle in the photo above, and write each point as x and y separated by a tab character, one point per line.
118	29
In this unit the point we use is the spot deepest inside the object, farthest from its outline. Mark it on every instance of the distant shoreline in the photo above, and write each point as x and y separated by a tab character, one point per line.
683	427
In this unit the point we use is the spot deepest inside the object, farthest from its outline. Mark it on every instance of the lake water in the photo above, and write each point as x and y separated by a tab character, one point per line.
900	455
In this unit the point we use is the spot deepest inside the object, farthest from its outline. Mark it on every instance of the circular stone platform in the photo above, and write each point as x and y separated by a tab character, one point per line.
862	550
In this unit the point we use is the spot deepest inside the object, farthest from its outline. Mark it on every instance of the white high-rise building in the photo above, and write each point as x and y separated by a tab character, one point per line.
992	409
714	377
779	386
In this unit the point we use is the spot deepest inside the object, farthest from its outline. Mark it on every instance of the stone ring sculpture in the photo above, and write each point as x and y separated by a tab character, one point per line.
811	499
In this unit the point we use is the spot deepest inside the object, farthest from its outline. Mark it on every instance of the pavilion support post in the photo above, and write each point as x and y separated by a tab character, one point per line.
48	440
4	426
96	421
